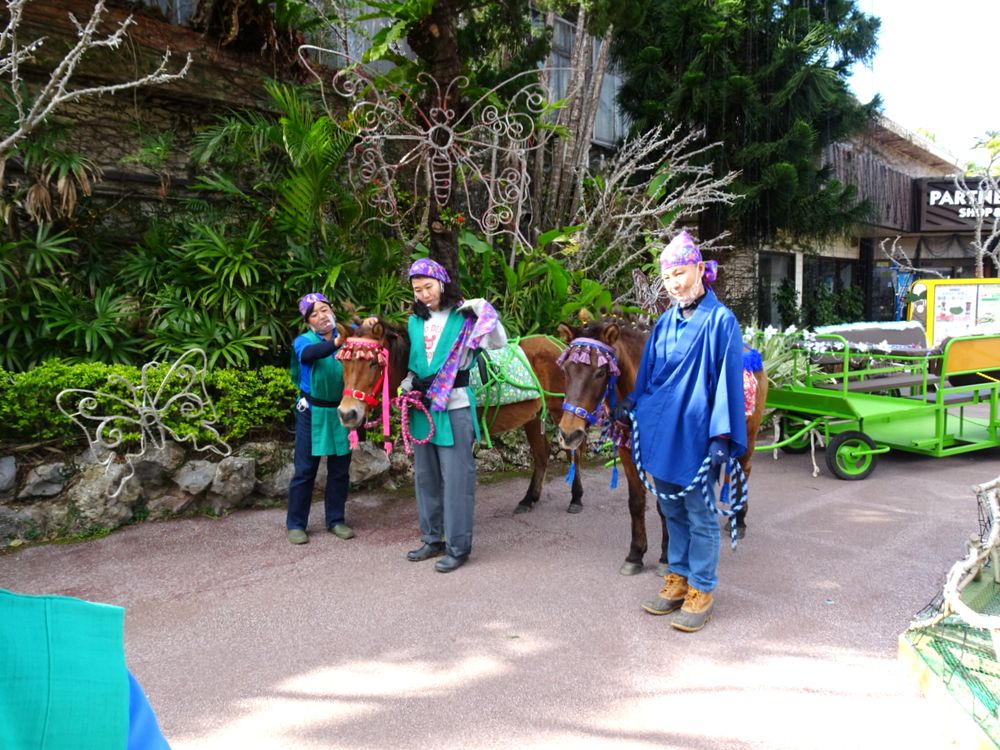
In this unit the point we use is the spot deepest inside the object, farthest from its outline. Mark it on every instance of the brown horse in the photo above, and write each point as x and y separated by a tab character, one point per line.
361	376
586	386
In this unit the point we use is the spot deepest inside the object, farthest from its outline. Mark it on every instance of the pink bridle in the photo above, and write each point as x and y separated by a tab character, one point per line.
359	348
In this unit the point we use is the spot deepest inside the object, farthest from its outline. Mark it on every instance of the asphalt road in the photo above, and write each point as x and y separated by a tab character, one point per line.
243	640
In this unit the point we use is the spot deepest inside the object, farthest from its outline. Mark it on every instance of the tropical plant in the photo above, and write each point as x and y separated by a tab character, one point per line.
787	300
534	294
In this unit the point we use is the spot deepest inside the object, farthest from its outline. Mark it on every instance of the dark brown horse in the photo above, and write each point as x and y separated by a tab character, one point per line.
361	376
586	386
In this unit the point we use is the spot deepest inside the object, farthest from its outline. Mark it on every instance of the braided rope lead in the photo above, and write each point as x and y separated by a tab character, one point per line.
700	481
404	402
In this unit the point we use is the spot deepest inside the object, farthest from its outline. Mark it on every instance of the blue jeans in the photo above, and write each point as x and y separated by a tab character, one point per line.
300	489
693	545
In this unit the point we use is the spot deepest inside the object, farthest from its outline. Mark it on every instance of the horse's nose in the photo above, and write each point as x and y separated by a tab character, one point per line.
571	440
349	417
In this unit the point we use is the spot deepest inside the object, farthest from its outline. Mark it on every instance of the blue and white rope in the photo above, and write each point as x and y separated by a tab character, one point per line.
700	481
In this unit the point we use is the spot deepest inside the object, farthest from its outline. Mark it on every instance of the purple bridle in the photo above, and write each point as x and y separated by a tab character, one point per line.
580	350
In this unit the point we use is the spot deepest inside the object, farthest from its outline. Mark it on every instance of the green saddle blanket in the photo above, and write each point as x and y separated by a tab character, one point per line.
509	377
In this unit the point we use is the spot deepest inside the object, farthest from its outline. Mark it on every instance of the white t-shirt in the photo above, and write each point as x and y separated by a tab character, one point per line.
433	327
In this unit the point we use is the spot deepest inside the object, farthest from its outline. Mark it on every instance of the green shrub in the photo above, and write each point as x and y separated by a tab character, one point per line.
245	402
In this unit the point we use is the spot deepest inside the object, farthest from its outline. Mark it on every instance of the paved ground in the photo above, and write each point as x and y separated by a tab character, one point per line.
242	640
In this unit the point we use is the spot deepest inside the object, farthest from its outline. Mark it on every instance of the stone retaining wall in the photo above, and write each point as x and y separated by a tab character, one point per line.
79	495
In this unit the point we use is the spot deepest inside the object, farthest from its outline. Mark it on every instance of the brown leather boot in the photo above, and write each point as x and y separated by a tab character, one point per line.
671	596
695	612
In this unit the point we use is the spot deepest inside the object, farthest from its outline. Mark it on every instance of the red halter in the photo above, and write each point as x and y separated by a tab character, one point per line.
359	348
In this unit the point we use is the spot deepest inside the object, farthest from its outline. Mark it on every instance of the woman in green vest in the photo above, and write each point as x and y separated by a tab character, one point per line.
445	334
318	431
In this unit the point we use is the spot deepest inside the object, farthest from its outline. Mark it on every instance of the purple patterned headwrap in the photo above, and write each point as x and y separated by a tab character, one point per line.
682	251
306	303
431	268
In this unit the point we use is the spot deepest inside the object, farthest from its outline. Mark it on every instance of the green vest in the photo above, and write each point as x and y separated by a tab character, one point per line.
326	381
418	364
62	662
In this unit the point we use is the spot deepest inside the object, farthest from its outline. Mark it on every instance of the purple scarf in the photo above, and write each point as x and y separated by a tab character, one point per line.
472	333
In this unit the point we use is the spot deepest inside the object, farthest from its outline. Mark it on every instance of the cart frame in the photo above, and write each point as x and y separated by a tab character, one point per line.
938	403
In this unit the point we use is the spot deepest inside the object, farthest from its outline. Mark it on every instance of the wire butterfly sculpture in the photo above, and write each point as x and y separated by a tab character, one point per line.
481	152
111	422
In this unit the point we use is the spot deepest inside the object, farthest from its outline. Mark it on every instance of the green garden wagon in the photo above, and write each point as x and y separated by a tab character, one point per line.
864	402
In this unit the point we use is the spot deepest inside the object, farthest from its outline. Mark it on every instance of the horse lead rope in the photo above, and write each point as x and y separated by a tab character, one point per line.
700	481
404	402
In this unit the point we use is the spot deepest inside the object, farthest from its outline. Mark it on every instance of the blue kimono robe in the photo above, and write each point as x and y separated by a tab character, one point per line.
689	388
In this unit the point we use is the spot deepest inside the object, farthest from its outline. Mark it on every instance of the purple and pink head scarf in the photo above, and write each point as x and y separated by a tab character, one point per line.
430	268
307	302
682	251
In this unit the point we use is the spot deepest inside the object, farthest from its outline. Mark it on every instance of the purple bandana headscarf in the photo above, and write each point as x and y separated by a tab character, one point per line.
682	251
430	268
306	303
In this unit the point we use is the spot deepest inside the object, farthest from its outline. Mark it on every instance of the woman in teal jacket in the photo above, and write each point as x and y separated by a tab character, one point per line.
445	334
318	431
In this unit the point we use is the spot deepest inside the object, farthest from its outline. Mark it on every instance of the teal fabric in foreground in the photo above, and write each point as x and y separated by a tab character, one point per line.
63	681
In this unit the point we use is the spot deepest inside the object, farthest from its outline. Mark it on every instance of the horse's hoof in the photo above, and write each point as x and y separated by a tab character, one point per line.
574	508
522	508
630	568
662	570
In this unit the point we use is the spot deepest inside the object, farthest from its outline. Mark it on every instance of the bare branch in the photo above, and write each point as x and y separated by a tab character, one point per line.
57	90
654	183
898	255
986	236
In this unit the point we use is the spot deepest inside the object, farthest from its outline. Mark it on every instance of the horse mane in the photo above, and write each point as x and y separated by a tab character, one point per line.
397	341
635	331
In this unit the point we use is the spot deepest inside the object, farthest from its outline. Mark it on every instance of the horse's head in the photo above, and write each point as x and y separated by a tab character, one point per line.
365	360
590	365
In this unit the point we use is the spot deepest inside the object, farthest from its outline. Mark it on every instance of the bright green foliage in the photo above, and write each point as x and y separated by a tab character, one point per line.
223	273
766	80
247	402
537	293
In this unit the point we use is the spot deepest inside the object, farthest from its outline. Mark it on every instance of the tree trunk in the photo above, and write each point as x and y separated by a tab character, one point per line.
435	41
581	156
569	118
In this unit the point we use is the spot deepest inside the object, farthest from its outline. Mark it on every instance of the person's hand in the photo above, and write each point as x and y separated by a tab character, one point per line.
718	454
472	305
405	386
622	408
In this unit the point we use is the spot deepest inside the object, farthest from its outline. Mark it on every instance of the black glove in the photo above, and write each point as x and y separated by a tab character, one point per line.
622	408
718	454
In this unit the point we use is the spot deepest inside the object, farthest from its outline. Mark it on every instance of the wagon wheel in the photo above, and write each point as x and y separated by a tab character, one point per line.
789	425
847	455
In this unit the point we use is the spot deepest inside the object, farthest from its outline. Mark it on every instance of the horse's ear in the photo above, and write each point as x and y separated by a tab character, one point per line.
611	334
342	331
565	332
378	329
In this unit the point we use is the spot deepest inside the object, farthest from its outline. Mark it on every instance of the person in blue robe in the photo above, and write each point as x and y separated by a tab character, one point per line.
688	405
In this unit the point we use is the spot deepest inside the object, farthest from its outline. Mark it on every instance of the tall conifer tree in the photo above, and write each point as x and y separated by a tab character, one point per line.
768	80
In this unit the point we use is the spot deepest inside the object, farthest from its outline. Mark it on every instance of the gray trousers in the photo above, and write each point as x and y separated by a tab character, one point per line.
444	477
